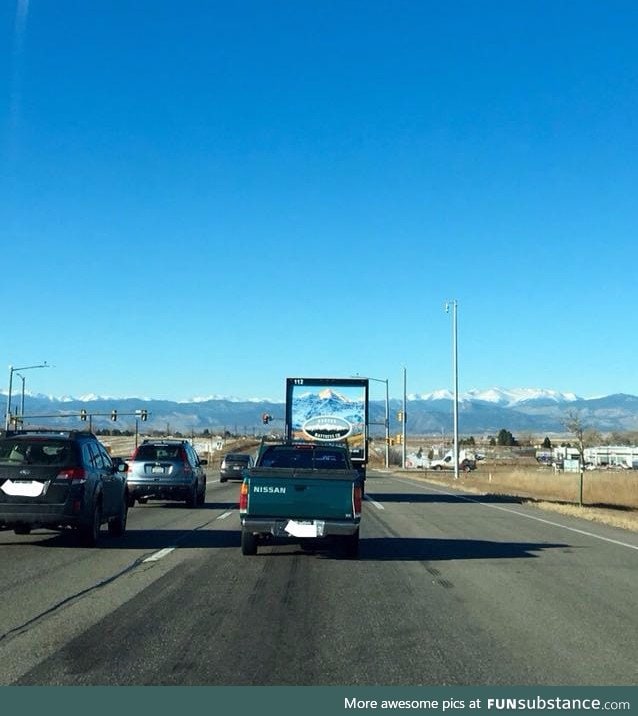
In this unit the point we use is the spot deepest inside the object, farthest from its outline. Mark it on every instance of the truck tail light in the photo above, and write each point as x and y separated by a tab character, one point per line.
243	497
356	499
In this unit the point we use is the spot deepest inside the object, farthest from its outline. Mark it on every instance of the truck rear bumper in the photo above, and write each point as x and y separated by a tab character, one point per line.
298	529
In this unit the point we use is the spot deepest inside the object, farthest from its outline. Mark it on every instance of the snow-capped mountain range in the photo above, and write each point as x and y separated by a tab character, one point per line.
502	396
480	411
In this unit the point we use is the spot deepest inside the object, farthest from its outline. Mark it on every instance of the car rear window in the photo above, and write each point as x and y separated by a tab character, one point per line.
303	458
39	451
158	452
243	459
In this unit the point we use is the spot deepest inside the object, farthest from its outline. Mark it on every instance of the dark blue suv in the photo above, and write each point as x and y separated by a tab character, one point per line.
61	479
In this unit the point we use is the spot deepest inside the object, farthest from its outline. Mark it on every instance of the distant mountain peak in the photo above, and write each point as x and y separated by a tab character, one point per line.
506	397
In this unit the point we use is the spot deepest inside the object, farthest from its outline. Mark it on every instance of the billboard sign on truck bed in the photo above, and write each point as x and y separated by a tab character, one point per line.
329	410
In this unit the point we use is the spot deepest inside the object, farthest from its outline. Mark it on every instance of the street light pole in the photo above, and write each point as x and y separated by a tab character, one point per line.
386	422
13	370
22	400
405	416
387	426
387	417
455	362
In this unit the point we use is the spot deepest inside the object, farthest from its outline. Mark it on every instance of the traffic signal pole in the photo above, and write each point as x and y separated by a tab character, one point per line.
85	415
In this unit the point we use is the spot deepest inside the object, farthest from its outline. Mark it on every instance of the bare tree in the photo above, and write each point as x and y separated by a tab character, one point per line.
575	426
583	437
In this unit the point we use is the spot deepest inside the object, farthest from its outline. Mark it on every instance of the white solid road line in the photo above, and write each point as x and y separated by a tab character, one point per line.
225	515
531	517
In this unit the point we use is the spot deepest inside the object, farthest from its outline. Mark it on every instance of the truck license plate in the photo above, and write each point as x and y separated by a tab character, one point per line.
314	528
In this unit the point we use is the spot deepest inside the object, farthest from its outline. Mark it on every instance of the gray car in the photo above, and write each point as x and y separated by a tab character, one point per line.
233	466
166	470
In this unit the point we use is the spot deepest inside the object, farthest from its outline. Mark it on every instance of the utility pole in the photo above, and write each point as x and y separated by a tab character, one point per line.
455	367
387	425
405	416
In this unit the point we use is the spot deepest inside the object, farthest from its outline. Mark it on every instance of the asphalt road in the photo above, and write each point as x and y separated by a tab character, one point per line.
448	589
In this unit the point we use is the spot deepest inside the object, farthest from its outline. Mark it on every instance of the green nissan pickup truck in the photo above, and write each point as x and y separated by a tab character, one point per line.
301	492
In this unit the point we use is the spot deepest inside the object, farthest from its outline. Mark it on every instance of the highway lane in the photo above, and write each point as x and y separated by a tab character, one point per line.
449	589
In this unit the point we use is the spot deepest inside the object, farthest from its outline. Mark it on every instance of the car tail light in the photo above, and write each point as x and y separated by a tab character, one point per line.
356	499
77	475
243	497
184	457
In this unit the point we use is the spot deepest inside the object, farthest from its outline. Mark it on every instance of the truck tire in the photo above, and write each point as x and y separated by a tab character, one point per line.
350	545
248	543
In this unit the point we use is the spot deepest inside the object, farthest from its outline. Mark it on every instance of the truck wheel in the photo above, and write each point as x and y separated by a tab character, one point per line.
248	543
350	545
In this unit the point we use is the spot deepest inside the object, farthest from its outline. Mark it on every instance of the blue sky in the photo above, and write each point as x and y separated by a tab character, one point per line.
204	198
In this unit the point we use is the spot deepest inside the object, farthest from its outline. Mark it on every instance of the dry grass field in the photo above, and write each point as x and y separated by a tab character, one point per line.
610	497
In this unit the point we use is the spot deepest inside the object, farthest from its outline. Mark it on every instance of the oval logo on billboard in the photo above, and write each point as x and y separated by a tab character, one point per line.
327	427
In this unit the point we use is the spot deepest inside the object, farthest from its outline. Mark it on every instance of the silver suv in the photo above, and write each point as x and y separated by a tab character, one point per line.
166	470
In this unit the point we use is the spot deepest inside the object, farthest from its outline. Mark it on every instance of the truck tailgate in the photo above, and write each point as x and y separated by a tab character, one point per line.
301	494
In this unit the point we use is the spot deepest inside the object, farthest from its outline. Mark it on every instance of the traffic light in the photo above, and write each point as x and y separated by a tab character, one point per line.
143	415
82	414
113	414
399	439
400	416
266	418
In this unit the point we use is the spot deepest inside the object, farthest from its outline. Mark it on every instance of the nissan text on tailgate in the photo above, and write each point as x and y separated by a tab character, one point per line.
301	492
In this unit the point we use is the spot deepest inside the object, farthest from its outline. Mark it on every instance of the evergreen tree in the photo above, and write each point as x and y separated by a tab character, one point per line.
505	437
